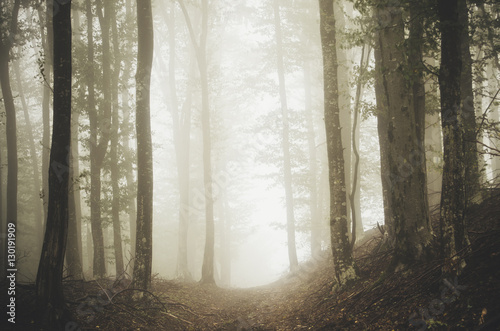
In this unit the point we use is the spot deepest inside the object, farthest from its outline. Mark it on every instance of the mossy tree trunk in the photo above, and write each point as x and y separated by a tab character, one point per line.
409	227
341	247
144	235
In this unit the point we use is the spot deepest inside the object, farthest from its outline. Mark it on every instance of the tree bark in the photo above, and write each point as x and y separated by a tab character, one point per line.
126	132
97	146
493	87
472	175
452	222
341	249
287	167
417	86
409	226
354	196
52	310
115	138
144	238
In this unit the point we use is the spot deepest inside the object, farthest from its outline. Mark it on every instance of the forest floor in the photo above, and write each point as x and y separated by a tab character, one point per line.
415	299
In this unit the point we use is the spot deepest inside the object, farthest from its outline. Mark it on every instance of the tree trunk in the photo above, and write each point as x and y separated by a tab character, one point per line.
207	271
417	86
131	188
344	103
494	117
53	312
97	147
354	196
452	222
409	223
181	133
433	145
341	248
144	239
115	137
287	168
382	128
472	175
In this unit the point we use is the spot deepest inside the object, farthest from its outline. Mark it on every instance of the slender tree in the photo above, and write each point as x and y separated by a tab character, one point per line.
115	136
50	299
144	238
341	247
207	271
181	132
98	143
285	144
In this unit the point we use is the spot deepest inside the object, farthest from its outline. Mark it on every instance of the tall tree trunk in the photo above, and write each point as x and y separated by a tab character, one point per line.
115	137
452	222
287	167
382	128
98	144
433	145
52	310
74	249
417	86
354	196
493	87
126	132
207	271
409	222
341	248
472	175
131	185
344	103
144	239
181	133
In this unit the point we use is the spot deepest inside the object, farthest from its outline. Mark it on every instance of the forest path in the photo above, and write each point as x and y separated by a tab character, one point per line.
304	301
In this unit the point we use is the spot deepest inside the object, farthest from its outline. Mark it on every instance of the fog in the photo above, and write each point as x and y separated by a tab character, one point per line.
246	131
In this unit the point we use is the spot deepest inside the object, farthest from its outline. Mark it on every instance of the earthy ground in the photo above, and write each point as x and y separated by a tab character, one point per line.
411	300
